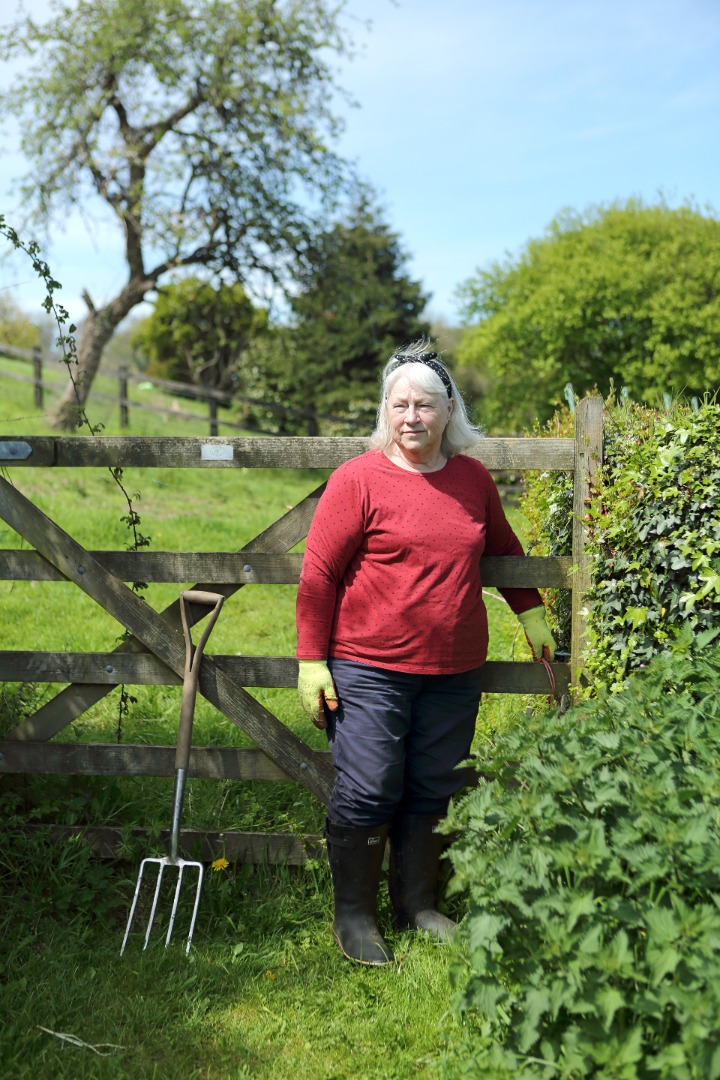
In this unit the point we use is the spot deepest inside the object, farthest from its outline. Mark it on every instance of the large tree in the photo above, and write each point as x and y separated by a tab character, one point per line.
354	305
625	294
204	125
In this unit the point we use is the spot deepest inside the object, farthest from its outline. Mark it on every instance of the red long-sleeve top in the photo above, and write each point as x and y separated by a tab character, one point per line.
391	573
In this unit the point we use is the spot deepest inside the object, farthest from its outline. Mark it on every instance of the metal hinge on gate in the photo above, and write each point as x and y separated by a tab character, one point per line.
14	450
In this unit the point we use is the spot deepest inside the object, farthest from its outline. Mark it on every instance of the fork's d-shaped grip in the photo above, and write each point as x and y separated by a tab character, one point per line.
193	658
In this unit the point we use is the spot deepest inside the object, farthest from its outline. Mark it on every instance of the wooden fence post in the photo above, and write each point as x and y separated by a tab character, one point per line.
37	375
123	397
213	410
588	458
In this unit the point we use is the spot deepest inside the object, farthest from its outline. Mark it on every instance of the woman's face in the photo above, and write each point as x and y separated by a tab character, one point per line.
417	419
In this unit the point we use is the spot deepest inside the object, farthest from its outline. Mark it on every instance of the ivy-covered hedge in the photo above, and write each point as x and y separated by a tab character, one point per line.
592	866
654	534
592	856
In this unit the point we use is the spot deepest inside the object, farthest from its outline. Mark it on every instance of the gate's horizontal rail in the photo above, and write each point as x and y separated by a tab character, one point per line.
253	567
145	669
274	848
299	452
110	759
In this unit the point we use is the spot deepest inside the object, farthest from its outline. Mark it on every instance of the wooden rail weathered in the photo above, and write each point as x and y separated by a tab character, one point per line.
154	653
291	452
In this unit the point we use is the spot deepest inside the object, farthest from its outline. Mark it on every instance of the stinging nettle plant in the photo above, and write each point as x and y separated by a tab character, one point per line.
592	864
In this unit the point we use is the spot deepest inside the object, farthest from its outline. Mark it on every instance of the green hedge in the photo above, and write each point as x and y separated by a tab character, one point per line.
592	864
654	535
591	858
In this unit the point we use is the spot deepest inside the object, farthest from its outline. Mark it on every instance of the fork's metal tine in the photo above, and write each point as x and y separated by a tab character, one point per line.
132	909
201	871
173	913
155	899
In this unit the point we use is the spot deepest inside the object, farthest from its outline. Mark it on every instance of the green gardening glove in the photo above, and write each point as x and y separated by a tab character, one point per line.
538	633
315	689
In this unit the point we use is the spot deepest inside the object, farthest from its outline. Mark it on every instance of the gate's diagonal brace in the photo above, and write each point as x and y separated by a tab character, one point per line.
73	700
157	634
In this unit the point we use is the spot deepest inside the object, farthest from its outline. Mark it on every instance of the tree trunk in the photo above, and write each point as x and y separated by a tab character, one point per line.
98	328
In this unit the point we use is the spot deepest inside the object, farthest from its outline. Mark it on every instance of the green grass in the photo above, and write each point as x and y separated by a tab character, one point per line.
265	992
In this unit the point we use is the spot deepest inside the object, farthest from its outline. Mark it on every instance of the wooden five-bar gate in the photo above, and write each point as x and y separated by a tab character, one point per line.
154	651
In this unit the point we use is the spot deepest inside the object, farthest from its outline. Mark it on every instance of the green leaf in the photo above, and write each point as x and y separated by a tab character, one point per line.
620	1053
535	1004
636	616
583	904
671	1061
663	963
609	1000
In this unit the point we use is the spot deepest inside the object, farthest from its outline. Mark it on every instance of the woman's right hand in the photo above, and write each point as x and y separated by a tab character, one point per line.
315	689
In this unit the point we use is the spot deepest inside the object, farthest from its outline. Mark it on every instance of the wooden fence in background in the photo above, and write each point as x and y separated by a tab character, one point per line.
213	399
155	653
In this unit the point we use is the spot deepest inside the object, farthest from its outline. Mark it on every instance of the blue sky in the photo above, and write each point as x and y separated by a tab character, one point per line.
480	120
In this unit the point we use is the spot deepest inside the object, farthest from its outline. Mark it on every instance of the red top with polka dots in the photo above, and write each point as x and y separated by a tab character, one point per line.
391	574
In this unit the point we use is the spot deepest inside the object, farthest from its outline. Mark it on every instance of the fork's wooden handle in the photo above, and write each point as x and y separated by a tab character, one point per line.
193	657
199	596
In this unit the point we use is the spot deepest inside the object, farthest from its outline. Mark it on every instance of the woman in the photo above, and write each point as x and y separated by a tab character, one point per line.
392	638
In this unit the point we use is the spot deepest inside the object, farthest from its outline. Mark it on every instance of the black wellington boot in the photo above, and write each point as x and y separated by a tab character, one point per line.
415	850
356	857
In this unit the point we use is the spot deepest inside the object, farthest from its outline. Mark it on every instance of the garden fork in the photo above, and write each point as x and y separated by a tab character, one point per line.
193	658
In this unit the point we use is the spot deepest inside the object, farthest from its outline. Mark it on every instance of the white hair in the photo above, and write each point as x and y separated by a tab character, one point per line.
460	433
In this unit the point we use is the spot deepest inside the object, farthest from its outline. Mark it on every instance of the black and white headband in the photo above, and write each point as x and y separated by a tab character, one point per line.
430	360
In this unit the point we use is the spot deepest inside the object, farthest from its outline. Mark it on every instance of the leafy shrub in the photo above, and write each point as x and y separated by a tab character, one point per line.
655	537
17	700
654	534
593	870
623	291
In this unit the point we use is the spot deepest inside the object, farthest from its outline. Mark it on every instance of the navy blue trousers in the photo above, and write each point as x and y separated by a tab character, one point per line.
396	741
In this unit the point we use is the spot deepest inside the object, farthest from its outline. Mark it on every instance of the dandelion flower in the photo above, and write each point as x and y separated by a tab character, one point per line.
220	864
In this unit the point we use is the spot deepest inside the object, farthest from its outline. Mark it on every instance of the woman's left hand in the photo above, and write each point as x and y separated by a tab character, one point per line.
538	633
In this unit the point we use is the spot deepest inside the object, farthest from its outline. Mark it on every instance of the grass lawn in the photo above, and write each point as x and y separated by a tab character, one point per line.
265	992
